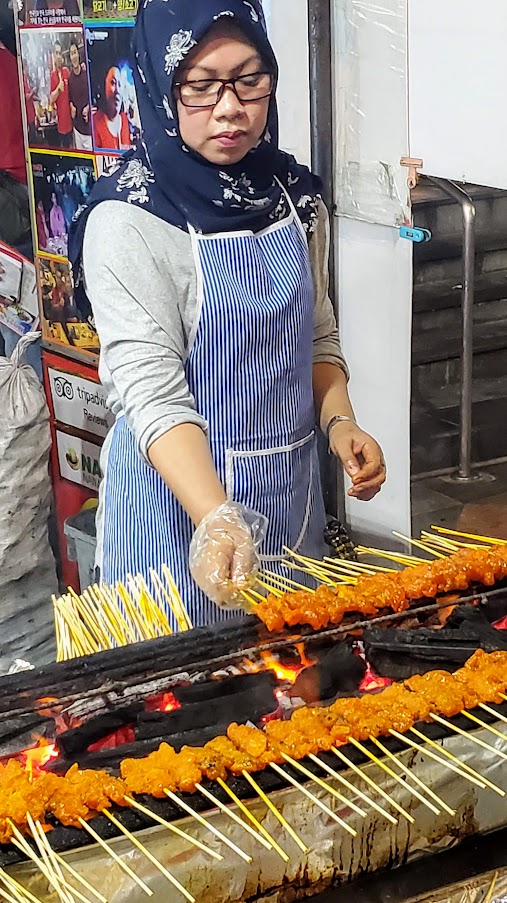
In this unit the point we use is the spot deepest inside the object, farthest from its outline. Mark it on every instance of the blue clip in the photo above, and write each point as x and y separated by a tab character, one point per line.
415	234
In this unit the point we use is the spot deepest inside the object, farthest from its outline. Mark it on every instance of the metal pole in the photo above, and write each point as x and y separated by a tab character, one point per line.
464	474
322	144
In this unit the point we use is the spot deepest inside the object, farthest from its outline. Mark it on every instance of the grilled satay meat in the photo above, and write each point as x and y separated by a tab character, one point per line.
84	794
440	690
162	769
329	605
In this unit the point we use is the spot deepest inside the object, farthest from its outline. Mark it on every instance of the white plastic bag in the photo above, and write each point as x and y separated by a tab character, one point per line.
27	569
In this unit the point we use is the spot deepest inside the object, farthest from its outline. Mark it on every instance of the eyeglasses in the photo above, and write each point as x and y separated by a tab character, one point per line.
207	92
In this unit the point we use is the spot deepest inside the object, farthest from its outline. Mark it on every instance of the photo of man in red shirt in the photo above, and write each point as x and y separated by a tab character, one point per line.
59	97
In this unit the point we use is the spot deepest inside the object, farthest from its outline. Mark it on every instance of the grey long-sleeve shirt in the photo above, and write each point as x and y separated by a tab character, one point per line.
140	278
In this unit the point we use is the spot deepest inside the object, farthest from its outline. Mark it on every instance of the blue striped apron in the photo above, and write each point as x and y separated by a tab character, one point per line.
249	368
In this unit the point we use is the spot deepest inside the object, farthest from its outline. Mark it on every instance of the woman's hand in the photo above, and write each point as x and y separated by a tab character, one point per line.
223	553
361	457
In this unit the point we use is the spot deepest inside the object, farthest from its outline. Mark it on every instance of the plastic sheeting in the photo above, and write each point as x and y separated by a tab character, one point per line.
475	890
334	856
371	88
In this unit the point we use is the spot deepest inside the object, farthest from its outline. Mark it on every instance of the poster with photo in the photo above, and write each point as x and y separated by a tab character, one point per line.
106	163
56	88
61	185
110	9
61	322
49	12
115	115
18	292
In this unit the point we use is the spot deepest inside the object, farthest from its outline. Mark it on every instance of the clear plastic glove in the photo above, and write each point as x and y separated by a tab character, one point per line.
223	555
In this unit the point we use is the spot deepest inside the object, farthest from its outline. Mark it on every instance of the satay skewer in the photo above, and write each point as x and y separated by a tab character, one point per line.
114	855
491	888
371	783
271	806
233	816
206	824
255	822
468	735
486	727
396	777
285	582
47	854
173	828
21	844
491	711
324	785
462	768
311	796
15	885
489	540
353	789
419	545
77	877
18	897
151	858
398	557
413	777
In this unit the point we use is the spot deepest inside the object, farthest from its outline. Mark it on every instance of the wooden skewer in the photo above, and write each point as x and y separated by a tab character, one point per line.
107	849
271	806
17	898
491	711
146	852
360	568
286	581
52	866
454	764
468	736
117	624
325	786
371	783
313	798
487	727
491	888
206	824
140	601
56	865
490	540
19	841
405	560
419	545
310	564
321	577
180	608
272	590
10	881
63	862
260	828
353	789
413	777
249	599
173	828
464	769
233	816
395	777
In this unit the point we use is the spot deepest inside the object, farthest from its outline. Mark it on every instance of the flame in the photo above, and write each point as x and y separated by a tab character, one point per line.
167	702
285	673
36	757
372	681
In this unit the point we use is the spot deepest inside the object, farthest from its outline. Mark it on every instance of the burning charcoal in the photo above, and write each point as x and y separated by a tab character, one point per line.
80	738
401	653
210	689
18	733
337	673
247	706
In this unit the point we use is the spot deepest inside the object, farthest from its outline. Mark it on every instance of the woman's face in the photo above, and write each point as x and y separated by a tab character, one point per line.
53	199
223	134
113	92
74	57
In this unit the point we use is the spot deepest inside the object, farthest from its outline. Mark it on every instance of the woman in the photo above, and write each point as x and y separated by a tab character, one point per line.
56	218
214	318
111	129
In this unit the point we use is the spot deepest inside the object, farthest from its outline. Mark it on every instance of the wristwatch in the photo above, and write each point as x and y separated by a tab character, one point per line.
338	418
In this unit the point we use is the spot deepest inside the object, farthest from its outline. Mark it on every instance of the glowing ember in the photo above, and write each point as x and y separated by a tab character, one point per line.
372	681
285	673
165	703
36	757
501	624
111	741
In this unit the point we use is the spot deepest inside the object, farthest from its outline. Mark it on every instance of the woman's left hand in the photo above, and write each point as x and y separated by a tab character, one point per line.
361	457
